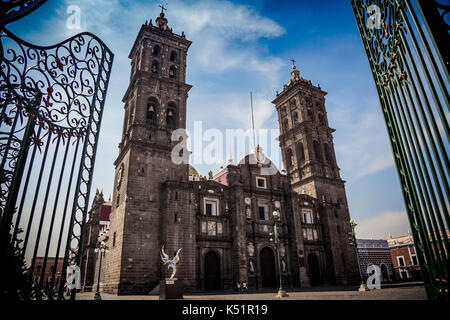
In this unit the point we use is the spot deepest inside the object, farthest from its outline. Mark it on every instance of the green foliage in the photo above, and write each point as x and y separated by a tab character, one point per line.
15	277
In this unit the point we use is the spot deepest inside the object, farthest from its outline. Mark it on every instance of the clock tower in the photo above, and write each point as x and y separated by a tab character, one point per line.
154	106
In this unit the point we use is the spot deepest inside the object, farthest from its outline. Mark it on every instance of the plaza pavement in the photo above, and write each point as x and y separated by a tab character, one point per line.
400	291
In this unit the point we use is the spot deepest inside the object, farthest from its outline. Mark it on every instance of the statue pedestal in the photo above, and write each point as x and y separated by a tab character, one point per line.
171	289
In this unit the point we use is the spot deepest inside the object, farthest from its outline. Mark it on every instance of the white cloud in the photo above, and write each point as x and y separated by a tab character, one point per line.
363	144
224	34
225	18
379	227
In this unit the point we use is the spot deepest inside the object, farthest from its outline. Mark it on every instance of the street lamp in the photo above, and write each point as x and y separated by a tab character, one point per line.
276	219
102	248
363	286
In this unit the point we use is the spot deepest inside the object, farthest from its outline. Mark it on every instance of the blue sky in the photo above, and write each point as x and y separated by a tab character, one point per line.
243	46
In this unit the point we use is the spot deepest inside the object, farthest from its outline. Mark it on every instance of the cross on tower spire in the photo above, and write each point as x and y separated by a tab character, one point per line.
162	8
293	62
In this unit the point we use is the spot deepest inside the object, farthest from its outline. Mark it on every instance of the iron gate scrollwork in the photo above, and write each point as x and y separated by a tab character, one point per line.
51	107
411	78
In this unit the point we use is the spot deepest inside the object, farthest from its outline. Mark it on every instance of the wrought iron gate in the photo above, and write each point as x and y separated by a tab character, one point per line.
51	106
407	47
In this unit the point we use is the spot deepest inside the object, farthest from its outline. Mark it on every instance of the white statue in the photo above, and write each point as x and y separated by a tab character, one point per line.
282	251
172	263
248	212
251	249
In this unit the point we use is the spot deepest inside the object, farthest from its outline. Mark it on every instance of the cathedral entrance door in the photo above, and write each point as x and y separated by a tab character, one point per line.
267	262
314	270
212	271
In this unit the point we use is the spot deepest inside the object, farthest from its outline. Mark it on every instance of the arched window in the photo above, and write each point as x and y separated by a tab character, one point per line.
173	56
155	67
327	153
171	115
295	117
300	152
156	50
152	108
317	151
172	72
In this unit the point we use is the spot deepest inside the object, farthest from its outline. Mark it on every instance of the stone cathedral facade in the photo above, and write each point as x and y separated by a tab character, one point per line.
222	224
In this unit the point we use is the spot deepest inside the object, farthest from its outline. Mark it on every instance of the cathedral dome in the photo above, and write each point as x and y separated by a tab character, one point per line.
257	157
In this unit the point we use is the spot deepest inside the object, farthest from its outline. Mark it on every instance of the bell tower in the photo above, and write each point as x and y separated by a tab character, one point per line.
154	106
308	155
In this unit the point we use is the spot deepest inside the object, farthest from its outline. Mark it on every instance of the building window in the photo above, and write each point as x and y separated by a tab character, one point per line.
307	217
114	239
317	151
401	261
414	260
156	50
261	182
300	152
211	208
327	153
263	211
38	268
171	115
172	72
173	56
155	67
117	200
152	107
219	228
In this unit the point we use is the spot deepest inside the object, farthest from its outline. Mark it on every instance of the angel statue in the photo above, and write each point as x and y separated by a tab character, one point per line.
172	263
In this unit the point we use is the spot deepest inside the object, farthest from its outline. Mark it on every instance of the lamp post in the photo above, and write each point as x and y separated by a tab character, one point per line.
102	248
276	219
363	286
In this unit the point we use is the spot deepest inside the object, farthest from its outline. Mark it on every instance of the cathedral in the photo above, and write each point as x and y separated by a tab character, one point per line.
223	224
